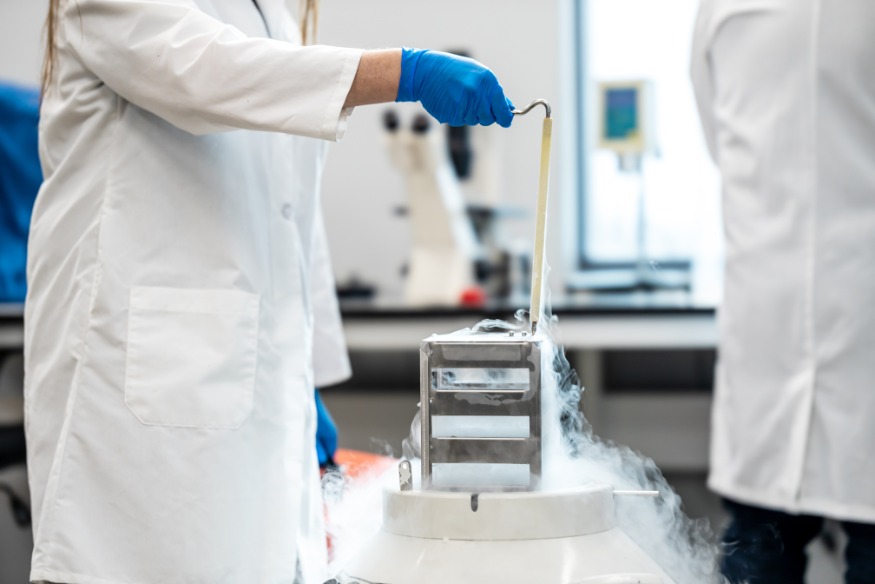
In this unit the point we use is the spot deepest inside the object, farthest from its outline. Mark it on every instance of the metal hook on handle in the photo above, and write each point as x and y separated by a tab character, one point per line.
529	107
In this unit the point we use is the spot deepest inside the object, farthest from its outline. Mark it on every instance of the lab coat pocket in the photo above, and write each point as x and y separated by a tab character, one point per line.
191	356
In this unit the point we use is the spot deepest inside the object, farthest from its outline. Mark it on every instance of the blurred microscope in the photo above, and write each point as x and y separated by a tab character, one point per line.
461	253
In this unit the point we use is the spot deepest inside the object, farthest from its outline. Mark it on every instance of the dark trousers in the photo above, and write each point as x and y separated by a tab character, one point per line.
768	547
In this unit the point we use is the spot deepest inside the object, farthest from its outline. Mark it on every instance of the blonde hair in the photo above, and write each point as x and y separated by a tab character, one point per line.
308	15
50	33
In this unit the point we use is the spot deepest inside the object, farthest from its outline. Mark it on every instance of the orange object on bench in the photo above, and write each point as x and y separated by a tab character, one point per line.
357	464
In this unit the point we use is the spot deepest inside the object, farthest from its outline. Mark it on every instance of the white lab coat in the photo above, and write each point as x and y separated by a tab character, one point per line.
786	92
176	269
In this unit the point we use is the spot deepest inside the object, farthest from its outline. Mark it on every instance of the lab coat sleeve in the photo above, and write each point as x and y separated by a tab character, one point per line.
330	357
172	59
700	73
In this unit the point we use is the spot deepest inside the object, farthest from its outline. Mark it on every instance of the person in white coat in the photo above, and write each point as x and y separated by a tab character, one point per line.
786	94
179	285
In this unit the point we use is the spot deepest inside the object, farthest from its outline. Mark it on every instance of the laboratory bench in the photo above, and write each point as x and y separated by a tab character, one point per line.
595	322
646	362
603	322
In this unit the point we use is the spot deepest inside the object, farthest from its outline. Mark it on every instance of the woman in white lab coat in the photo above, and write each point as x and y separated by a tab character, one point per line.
786	92
179	283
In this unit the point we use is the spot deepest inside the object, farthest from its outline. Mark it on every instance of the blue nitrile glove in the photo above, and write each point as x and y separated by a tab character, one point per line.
455	90
326	433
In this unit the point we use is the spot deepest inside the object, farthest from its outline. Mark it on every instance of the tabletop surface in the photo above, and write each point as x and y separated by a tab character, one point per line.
638	320
647	303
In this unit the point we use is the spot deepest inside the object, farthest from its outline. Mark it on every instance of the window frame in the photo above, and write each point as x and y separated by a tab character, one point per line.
584	267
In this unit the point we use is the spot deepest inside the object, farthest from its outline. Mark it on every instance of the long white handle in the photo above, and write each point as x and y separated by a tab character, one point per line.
541	224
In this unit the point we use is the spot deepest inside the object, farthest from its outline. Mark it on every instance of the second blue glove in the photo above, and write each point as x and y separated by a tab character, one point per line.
326	433
455	90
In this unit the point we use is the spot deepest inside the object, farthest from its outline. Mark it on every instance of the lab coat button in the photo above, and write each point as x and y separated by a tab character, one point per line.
287	211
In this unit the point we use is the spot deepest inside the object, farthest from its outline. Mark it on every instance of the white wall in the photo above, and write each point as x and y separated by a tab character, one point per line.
21	24
516	38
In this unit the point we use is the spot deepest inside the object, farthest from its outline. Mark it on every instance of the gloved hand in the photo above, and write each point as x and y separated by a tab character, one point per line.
326	434
455	90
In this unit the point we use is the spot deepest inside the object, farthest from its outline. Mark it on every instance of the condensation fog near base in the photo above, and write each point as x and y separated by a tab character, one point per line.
573	456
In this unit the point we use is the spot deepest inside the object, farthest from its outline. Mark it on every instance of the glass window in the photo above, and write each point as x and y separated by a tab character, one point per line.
645	42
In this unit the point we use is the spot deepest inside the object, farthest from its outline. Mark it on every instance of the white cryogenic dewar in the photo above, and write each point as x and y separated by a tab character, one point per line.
548	537
486	422
477	516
